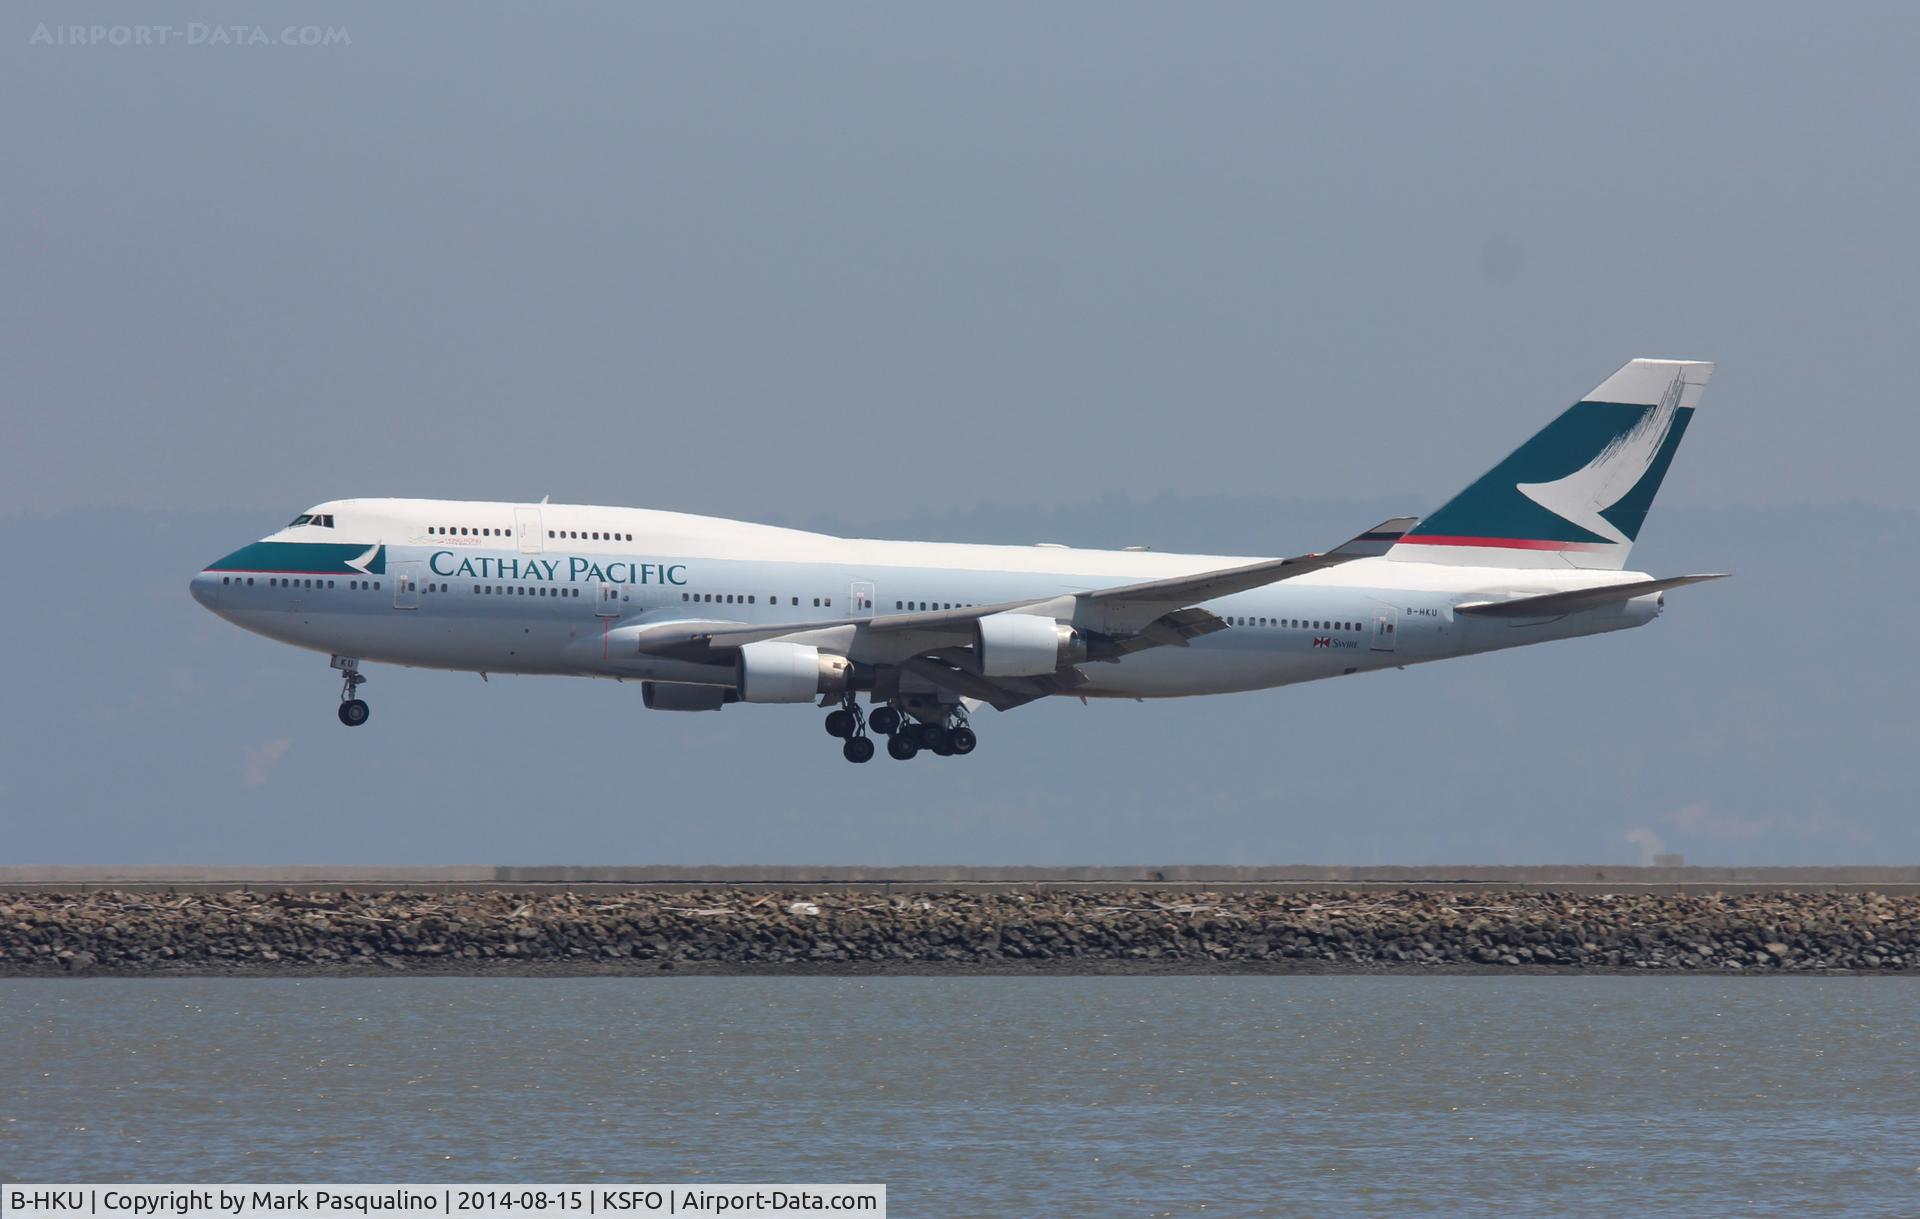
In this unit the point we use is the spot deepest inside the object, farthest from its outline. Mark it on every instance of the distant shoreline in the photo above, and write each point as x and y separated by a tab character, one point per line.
939	878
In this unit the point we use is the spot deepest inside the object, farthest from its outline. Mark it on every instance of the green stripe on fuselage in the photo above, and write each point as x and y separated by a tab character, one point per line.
305	558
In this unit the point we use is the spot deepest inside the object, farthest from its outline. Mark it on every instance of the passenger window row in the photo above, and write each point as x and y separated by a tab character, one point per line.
284	582
589	535
302	582
1298	624
519	590
483	531
748	599
932	605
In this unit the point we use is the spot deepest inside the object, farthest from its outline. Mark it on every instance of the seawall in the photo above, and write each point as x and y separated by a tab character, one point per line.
870	930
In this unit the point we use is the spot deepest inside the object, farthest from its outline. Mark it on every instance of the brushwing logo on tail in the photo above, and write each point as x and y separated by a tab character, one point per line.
1583	495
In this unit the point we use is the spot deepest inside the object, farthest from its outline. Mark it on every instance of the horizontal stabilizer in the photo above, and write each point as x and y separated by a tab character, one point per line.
1552	605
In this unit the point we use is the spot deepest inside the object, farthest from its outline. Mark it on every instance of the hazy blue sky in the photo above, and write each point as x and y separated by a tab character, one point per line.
1214	276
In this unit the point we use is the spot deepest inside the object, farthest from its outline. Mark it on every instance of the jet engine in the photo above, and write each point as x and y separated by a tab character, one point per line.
683	696
1025	645
775	672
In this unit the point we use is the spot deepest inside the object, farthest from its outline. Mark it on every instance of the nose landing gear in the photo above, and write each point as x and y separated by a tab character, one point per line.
353	709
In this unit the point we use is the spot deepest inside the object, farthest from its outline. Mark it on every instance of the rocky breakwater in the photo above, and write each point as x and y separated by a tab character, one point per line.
1063	930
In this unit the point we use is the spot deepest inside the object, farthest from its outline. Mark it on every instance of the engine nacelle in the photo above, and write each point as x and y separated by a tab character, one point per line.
775	672
1025	645
683	696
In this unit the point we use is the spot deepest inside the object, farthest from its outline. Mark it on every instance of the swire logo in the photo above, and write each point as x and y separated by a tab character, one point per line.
1323	641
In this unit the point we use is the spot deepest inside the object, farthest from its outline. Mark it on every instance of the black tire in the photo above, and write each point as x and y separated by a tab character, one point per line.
354	712
963	740
884	720
902	747
858	749
938	739
840	723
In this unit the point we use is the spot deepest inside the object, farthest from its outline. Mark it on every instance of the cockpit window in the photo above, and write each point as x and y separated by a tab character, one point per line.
322	520
302	519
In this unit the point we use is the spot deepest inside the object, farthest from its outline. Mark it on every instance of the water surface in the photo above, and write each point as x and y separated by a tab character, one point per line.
996	1095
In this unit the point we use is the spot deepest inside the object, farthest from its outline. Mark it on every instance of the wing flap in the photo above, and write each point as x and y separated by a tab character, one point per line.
1001	693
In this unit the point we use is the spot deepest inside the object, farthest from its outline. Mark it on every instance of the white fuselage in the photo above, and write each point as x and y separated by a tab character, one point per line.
552	588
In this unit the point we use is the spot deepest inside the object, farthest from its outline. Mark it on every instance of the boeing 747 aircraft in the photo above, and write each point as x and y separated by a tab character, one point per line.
704	612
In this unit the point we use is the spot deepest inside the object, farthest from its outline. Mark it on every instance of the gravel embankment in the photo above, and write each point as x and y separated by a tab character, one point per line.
111	932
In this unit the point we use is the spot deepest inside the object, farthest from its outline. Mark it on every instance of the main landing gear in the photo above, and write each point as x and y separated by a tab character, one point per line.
951	737
847	723
353	708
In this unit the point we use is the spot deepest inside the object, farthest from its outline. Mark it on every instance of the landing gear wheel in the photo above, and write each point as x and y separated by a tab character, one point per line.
858	749
902	747
962	739
884	720
840	723
938	739
353	709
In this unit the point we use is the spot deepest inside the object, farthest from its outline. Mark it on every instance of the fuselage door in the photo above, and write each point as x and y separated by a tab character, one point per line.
406	586
1386	620
608	603
526	530
860	598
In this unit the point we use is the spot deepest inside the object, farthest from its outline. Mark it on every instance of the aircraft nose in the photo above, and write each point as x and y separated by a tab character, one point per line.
206	589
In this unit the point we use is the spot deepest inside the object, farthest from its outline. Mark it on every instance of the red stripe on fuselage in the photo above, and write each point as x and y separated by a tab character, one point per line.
1440	539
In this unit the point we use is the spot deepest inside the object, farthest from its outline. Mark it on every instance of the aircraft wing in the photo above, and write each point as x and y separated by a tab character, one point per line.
1133	606
1552	605
1121	620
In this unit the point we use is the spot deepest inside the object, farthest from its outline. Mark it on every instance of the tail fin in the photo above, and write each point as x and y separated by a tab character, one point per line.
1576	494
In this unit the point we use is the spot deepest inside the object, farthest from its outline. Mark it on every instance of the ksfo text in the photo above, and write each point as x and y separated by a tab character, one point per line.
644	1201
707	1202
